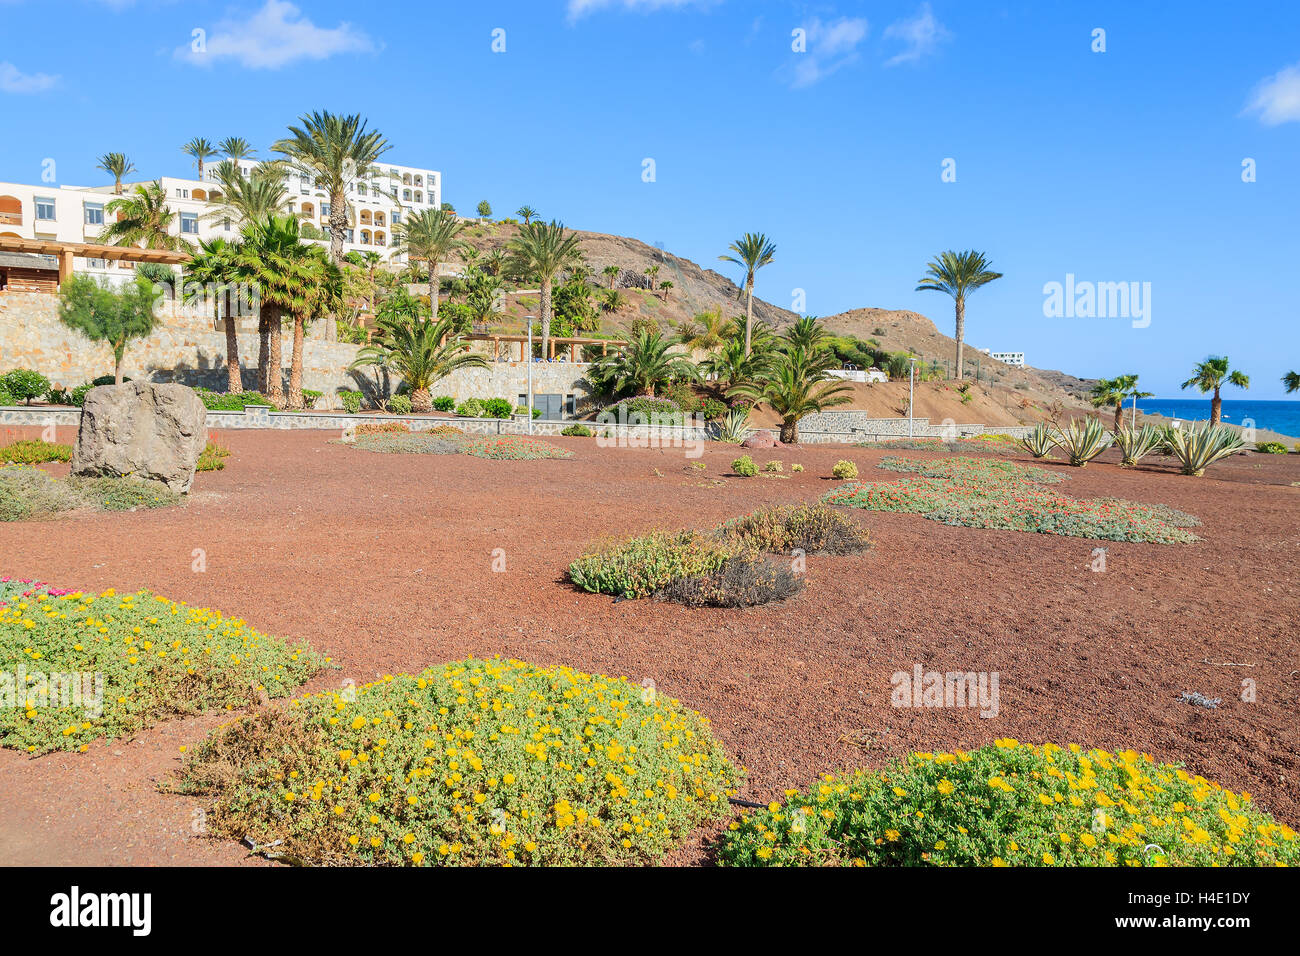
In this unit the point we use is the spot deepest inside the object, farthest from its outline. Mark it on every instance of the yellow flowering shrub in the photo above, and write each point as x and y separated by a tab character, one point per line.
1013	804
474	762
81	666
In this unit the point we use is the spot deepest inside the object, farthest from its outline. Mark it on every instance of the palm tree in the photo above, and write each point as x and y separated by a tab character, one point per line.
1292	382
798	384
611	273
200	149
611	300
431	235
958	274
117	166
292	281
338	151
645	363
653	273
368	260
1210	376
805	334
244	200
706	332
235	148
730	367
420	352
1110	391
527	213
142	217
1129	386
213	271
542	249
752	252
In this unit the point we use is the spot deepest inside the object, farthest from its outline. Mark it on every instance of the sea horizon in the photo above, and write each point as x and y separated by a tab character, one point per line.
1274	415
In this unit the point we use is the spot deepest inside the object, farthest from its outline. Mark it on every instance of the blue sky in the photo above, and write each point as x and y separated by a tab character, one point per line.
1115	166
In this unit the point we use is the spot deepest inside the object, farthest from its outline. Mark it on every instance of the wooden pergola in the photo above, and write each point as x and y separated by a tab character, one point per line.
66	252
573	343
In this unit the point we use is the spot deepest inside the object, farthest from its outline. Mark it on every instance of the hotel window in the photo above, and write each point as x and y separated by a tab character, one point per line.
44	209
190	222
94	214
225	224
324	210
406	195
183	193
397	217
361	189
349	235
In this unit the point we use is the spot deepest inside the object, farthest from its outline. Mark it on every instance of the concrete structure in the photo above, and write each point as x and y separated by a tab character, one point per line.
1010	358
77	214
869	375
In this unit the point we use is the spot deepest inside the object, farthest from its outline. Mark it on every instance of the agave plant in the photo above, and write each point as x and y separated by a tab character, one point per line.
1136	443
734	428
1039	442
1199	447
1082	442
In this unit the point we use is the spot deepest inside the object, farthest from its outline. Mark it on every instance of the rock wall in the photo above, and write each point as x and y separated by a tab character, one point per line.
186	348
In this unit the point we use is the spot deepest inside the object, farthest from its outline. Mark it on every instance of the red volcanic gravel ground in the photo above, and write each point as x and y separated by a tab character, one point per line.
385	562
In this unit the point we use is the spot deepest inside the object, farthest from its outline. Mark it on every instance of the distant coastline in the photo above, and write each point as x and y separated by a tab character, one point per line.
1275	420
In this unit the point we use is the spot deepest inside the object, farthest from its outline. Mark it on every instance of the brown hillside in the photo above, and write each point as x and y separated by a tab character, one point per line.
697	290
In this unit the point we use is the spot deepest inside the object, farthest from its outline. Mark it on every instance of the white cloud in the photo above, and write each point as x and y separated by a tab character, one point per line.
1277	99
830	46
580	8
275	36
14	80
920	35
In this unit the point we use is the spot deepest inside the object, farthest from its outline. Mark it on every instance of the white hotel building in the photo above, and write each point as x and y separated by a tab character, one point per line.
77	214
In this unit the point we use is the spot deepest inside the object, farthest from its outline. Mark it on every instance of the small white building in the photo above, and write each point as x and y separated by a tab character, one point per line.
1010	358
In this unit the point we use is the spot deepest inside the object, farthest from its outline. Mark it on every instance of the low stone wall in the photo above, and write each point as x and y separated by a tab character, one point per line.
258	416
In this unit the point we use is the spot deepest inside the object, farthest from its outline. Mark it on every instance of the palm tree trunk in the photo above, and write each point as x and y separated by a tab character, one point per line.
119	352
790	432
295	362
961	331
1216	407
749	313
433	288
265	316
275	368
421	401
1119	415
338	226
234	380
546	315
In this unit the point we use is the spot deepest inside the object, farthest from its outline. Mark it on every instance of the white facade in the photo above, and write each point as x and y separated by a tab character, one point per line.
76	213
1010	358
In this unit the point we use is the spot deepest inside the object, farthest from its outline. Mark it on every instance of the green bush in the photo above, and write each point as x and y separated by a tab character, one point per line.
5	398
1271	447
309	397
444	403
523	410
470	408
351	400
497	408
158	659
24	384
844	470
648	410
744	466
31	451
711	409
796	467
213	457
577	431
476	762
108	380
638	567
231	401
77	396
400	405
773	466
1012	804
57	395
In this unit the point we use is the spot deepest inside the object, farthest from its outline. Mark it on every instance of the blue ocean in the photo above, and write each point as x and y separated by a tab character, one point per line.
1274	416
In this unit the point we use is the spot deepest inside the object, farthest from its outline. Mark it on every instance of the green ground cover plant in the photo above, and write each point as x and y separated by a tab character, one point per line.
987	493
213	457
1013	804
31	451
27	493
157	659
476	762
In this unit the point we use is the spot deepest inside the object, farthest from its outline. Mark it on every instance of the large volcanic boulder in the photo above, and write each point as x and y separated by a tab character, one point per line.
142	430
762	439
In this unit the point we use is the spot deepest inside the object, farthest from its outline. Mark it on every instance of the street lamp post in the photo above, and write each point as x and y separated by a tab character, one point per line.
530	373
911	385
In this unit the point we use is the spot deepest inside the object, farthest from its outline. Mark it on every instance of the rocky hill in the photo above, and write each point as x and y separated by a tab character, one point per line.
697	290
